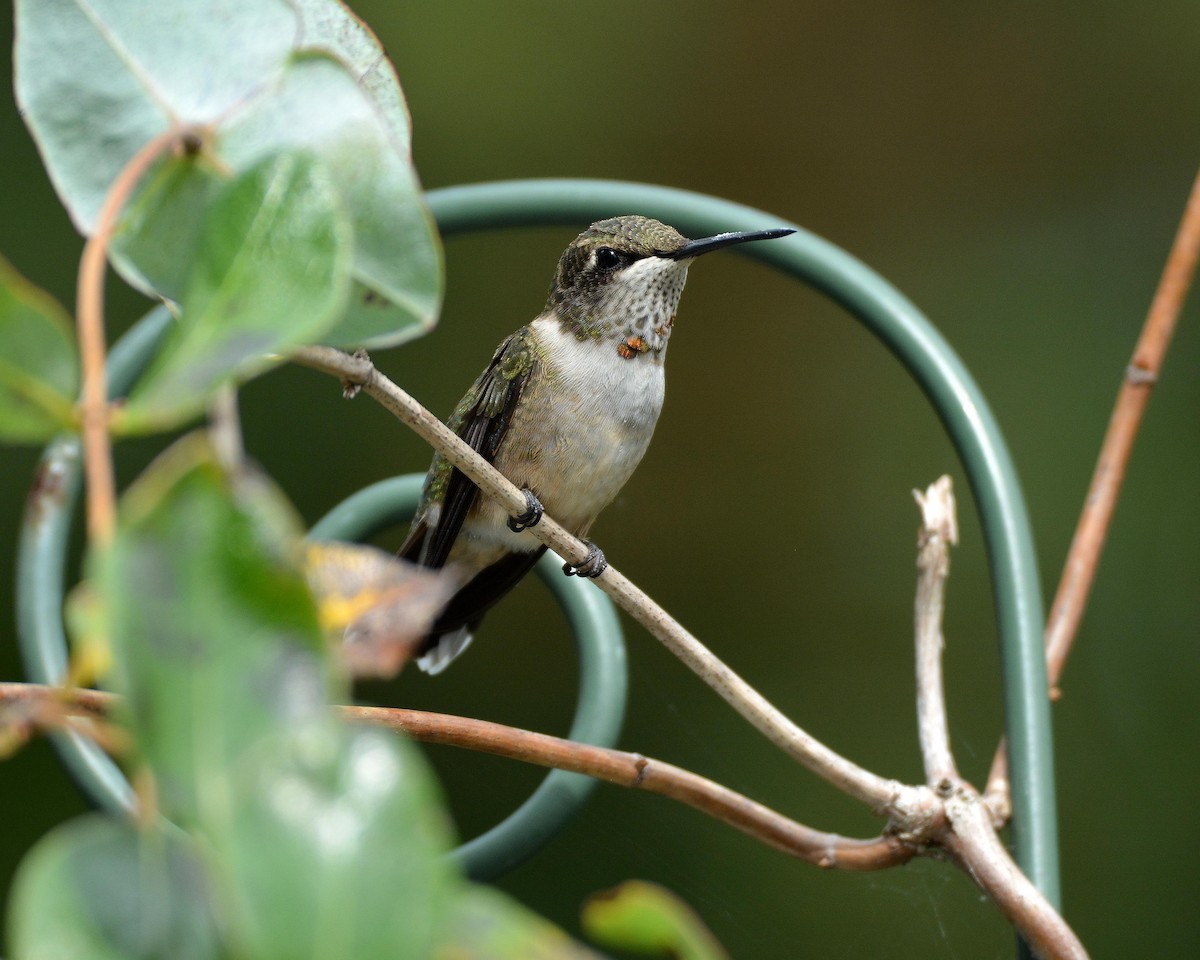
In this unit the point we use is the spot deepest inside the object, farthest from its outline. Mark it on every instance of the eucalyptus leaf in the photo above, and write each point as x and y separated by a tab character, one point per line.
97	81
332	26
216	646
156	241
335	846
647	919
487	925
39	366
100	889
271	272
318	106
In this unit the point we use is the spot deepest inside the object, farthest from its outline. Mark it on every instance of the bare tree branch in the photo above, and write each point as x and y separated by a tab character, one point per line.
1140	377
939	532
633	770
972	842
967	832
98	468
827	850
1083	558
904	804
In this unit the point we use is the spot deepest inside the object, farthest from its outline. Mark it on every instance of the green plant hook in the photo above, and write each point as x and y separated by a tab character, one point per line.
847	281
603	681
599	712
41	567
940	373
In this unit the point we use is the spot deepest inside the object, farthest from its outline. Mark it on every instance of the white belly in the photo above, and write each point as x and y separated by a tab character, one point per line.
579	438
605	420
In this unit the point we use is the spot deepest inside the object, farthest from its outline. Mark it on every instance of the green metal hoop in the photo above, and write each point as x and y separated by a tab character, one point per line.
599	711
603	681
847	281
940	373
41	567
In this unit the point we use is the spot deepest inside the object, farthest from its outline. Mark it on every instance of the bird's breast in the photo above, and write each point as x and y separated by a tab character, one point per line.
583	424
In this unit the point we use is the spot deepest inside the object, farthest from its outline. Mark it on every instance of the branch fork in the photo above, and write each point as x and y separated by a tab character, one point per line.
945	813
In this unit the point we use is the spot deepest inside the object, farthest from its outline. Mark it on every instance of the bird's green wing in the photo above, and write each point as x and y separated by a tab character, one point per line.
481	419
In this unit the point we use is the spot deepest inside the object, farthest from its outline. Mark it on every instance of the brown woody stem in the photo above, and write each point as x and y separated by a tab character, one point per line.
89	311
1079	571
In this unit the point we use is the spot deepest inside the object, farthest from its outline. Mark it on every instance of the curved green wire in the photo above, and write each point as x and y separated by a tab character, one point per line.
41	565
847	281
935	366
599	711
603	681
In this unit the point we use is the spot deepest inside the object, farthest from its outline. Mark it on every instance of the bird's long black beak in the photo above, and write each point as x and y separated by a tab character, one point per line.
694	248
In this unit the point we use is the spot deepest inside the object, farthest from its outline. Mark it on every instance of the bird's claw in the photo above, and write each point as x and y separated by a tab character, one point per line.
592	566
532	515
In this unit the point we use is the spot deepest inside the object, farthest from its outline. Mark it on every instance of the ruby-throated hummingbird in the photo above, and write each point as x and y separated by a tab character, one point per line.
565	410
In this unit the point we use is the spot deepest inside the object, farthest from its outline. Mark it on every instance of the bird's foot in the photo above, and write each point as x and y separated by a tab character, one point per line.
532	515
593	566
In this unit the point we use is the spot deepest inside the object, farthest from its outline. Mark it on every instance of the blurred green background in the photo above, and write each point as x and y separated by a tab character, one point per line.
1018	169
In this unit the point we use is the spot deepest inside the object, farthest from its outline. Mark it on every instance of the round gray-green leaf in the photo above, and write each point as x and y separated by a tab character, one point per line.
271	272
336	847
100	889
39	366
98	79
216	646
331	25
318	106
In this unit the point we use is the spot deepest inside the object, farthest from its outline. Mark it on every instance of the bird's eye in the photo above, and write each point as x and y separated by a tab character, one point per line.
607	259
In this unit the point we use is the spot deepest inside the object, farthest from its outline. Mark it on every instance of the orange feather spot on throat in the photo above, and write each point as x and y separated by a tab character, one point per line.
632	347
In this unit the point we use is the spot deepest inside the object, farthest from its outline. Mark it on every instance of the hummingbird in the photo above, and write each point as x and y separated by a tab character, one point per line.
565	410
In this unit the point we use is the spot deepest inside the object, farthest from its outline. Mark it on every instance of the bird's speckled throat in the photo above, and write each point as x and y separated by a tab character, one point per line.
617	282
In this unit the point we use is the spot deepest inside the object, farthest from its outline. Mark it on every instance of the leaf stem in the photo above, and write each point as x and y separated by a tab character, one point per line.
89	310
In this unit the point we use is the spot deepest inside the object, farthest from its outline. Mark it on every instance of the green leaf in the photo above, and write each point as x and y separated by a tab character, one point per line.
98	889
215	640
97	81
318	106
332	26
39	369
157	239
335	847
486	925
271	272
647	919
324	840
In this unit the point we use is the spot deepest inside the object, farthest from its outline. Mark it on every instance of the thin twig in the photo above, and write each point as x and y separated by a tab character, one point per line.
971	841
89	310
643	773
1141	375
939	531
81	700
909	806
968	833
828	850
29	709
225	429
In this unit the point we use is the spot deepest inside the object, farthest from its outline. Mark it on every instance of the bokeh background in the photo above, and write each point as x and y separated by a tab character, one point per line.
1018	170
